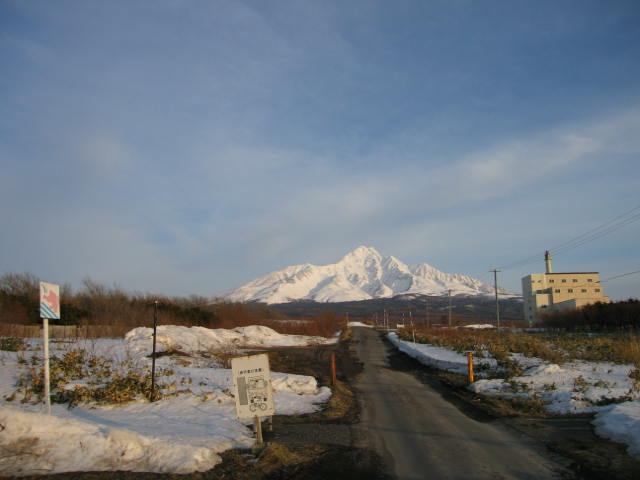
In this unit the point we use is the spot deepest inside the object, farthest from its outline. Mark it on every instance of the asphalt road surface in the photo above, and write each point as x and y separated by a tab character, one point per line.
420	435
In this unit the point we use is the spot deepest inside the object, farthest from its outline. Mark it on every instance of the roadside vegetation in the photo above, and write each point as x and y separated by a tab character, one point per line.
79	377
111	311
550	345
554	347
547	371
598	317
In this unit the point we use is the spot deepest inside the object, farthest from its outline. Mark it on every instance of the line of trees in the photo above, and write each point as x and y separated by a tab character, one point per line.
97	304
599	316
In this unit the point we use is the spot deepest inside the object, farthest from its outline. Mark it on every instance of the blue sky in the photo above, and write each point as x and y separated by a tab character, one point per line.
188	147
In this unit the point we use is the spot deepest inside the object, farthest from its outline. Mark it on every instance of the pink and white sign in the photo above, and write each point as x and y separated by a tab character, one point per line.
49	300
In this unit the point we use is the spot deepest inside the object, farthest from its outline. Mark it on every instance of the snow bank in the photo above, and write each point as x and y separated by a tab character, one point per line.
479	326
34	440
199	339
576	387
439	357
621	423
358	324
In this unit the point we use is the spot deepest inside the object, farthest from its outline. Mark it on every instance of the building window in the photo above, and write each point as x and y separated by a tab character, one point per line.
570	290
597	290
584	290
564	281
575	280
551	280
589	279
557	290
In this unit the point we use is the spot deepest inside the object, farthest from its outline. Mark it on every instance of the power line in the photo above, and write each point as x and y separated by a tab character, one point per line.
606	228
620	276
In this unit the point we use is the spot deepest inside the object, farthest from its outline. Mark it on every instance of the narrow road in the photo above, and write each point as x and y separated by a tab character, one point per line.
419	435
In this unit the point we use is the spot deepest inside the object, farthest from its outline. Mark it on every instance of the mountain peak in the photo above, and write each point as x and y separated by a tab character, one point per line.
362	251
362	274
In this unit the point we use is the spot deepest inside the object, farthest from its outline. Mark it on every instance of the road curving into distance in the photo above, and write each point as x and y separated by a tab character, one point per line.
420	435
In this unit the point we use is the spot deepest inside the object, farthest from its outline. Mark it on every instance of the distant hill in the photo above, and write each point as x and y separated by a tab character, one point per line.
362	274
432	310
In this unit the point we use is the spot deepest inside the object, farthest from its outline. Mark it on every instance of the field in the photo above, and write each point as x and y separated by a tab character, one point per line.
100	395
544	373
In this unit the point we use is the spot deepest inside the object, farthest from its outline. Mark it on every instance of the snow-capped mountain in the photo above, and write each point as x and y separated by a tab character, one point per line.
361	275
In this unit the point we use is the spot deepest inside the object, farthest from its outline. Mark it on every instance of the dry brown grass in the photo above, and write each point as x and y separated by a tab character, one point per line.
556	348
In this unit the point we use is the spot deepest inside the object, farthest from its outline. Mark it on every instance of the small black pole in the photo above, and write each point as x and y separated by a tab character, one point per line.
495	276
153	355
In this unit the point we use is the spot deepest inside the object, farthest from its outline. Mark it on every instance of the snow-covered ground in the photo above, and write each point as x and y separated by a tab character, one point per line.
439	357
181	433
603	388
358	324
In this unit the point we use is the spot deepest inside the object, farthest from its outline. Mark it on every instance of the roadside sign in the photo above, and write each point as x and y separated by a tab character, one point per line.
252	386
49	300
49	309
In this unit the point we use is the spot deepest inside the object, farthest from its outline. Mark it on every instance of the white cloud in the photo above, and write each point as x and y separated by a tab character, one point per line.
102	153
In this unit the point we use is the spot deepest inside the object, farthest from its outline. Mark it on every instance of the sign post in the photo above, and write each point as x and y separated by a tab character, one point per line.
152	396
49	308
253	390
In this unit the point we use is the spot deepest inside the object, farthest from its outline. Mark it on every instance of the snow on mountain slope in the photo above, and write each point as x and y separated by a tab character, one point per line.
361	275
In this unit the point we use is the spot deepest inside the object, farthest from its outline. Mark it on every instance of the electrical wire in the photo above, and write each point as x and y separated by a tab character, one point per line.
620	276
606	228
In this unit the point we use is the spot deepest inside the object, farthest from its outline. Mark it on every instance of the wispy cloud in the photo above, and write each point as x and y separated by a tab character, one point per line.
212	144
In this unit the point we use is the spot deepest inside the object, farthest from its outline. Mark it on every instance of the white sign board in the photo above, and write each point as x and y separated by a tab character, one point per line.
49	300
252	386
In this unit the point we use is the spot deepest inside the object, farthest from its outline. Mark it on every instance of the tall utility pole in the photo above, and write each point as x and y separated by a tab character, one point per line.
426	311
495	278
413	330
449	307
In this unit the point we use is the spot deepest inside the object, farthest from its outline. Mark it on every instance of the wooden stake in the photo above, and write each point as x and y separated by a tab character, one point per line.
258	429
470	363
334	380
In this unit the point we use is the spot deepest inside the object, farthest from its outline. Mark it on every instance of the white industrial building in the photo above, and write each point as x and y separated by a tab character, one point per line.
551	292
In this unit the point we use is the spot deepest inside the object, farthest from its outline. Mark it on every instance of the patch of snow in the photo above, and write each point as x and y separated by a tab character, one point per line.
200	339
621	423
358	324
35	442
440	357
573	387
183	432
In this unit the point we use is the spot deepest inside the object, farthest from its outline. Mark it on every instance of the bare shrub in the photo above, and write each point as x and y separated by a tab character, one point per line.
597	317
78	377
99	310
12	344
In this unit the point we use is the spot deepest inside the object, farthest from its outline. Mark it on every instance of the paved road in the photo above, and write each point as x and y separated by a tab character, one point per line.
422	436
